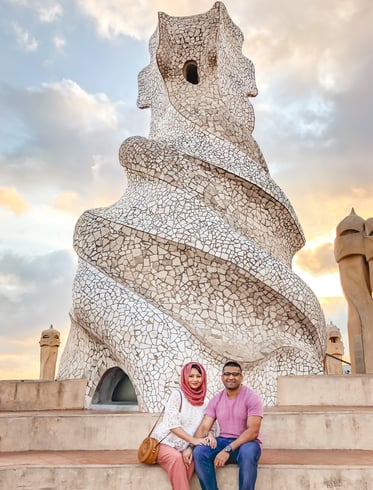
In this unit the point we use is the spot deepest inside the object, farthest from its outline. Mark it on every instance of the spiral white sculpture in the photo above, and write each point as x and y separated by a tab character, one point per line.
194	262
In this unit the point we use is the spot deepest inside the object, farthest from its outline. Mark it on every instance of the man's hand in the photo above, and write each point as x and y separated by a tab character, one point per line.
221	458
211	440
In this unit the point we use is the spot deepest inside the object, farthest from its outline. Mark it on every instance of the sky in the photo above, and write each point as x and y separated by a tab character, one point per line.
68	90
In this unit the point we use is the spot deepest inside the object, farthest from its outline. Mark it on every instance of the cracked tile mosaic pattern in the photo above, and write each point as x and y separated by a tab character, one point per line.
194	261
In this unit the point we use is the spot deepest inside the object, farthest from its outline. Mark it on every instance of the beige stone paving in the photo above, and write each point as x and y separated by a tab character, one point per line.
269	457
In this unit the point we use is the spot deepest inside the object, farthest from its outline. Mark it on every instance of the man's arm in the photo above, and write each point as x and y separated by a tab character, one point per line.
204	426
250	434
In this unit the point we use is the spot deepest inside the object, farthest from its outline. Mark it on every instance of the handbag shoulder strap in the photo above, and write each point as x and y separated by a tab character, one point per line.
156	422
160	415
181	400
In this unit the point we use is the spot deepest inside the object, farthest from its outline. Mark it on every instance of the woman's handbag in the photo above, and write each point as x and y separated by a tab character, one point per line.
149	448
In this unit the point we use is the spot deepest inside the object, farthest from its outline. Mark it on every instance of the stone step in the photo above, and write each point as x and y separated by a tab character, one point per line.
114	470
283	427
316	427
340	390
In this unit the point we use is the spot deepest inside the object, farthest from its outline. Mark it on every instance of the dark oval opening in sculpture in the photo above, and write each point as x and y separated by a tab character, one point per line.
349	232
115	388
190	72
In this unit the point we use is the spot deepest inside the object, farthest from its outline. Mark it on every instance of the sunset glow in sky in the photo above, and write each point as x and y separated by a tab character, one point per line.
68	90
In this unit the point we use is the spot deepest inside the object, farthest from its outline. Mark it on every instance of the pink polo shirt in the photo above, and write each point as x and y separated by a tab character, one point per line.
232	413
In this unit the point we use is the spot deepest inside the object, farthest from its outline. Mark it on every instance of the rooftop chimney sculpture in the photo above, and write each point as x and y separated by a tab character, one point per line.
353	250
194	261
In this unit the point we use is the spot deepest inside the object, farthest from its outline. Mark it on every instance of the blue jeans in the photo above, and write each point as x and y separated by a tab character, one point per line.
246	456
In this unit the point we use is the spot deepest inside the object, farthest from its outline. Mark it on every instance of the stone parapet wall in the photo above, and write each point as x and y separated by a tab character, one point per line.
42	395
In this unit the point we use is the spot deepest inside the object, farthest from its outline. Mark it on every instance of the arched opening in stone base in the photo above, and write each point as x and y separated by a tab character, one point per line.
115	391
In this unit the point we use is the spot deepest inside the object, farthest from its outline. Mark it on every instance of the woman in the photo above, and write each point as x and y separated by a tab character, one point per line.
183	413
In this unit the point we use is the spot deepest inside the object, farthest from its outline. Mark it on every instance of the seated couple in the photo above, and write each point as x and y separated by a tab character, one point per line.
186	432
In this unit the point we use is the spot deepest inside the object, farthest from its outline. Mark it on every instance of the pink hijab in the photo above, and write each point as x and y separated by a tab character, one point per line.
194	397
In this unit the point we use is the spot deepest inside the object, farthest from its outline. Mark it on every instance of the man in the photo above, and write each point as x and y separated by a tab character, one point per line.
239	411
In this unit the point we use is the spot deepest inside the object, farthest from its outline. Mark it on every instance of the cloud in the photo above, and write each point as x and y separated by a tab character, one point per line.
69	202
24	40
50	13
35	291
88	112
317	261
137	19
19	357
313	118
61	131
321	209
334	306
43	229
10	198
59	42
115	18
46	10
311	63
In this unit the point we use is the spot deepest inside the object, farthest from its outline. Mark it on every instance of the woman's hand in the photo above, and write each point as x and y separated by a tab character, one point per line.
187	456
200	441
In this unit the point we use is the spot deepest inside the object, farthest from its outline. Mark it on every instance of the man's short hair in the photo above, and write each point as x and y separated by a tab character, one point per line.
232	364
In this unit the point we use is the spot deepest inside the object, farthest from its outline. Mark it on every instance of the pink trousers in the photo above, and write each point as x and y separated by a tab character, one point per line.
171	461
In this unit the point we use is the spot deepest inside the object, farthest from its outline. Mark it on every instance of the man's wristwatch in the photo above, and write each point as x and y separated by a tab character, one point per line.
228	449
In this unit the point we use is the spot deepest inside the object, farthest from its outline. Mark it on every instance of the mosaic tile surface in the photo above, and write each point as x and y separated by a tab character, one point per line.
194	261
